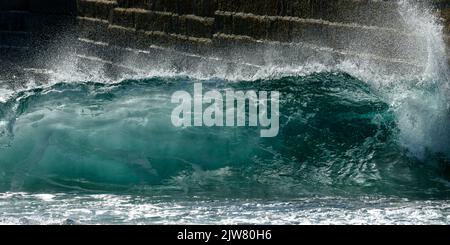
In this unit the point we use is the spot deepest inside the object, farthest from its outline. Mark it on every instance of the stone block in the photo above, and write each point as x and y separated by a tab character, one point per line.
144	39
222	5
185	6
163	21
308	31
121	36
250	25
224	22
298	8
87	8
165	5
142	19
377	13
157	38
92	29
268	7
179	21
320	8
104	9
230	5
143	4
272	8
123	17
240	26
153	21
199	26
257	7
279	29
205	7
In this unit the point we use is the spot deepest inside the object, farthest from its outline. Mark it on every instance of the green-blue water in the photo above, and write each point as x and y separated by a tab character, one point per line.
344	148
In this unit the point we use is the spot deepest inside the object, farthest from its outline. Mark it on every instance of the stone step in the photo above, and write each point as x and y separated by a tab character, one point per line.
205	8
386	42
15	20
383	42
295	53
102	31
191	25
144	4
99	9
91	28
129	37
146	20
15	39
132	60
367	12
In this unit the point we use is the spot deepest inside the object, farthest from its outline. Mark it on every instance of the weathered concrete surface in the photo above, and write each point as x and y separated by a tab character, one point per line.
370	29
344	25
443	7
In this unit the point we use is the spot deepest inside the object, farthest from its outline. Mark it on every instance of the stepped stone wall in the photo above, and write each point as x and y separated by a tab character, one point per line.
369	28
277	20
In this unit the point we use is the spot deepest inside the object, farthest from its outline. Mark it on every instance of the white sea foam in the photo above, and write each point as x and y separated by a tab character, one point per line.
123	209
422	106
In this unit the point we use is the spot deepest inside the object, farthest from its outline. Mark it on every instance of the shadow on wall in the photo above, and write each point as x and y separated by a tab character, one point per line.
30	27
260	33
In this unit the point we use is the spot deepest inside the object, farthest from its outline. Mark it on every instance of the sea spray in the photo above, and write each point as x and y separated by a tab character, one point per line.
422	106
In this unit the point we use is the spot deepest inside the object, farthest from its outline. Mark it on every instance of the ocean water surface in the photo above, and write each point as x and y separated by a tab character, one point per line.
347	152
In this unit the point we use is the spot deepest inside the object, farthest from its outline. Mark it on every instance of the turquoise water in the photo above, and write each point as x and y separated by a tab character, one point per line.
346	152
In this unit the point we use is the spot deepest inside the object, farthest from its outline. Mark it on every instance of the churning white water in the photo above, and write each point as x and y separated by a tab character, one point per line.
422	105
